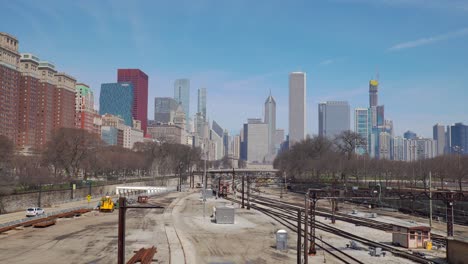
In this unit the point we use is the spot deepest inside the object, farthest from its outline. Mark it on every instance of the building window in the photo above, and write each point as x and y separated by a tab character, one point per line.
412	235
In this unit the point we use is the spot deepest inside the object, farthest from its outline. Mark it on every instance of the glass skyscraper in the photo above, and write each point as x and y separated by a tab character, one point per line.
117	99
164	109
459	139
362	127
334	118
182	96
139	81
202	102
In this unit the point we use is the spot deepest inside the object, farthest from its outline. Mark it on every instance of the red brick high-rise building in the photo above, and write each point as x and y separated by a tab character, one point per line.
46	112
139	81
29	102
64	101
34	99
9	85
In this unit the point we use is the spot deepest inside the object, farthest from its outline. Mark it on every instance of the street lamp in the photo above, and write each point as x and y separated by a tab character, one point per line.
205	180
459	150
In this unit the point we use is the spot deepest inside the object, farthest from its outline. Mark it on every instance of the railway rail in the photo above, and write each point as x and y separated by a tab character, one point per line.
327	247
371	223
285	213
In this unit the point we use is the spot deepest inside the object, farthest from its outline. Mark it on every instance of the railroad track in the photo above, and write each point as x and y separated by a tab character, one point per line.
176	251
441	240
287	215
286	221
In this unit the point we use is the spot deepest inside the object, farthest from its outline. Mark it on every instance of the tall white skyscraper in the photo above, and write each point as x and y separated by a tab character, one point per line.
270	120
182	95
297	107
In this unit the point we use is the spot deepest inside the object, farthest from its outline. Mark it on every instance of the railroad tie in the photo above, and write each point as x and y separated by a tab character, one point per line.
144	256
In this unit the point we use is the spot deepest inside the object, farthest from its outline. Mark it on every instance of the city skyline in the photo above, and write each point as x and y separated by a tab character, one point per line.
407	60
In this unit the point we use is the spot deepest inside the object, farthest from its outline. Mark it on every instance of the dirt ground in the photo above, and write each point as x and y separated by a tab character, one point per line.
251	239
90	238
182	233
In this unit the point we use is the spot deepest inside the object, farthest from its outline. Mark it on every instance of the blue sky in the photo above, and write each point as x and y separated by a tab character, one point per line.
240	50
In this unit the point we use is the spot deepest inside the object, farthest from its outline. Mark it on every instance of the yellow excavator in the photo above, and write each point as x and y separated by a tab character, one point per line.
106	204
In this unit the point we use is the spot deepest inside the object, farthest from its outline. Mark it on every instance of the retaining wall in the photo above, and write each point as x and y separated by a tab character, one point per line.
19	202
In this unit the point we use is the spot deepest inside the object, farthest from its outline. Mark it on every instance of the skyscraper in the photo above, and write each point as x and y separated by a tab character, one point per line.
139	81
334	118
117	99
385	149
218	129
227	143
164	109
84	103
9	83
459	138
399	148
410	135
182	95
380	115
255	141
297	107
202	102
362	127
373	93
270	120
29	101
64	101
216	136
438	134
48	85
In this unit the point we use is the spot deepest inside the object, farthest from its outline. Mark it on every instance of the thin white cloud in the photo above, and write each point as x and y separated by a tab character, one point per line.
429	40
327	62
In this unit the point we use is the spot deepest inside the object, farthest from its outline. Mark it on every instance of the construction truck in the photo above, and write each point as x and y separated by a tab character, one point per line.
106	204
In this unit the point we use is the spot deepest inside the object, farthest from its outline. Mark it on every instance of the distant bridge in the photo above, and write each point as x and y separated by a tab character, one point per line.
248	171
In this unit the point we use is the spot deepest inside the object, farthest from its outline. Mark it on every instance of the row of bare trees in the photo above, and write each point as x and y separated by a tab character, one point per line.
318	159
75	154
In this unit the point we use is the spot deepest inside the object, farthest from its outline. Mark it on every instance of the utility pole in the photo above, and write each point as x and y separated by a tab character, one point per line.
281	191
40	196
299	236
233	182
204	180
219	186
430	199
243	180
449	199
248	193
333	201
121	234
312	250
306	226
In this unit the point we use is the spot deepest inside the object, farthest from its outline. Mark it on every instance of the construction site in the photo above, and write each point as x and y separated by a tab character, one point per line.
242	217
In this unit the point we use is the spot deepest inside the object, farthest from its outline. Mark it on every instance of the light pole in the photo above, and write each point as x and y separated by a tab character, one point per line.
205	180
459	150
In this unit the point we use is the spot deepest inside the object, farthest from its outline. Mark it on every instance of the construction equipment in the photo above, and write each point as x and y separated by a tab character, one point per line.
142	199
106	204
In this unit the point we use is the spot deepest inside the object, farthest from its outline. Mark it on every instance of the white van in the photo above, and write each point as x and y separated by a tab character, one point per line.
33	211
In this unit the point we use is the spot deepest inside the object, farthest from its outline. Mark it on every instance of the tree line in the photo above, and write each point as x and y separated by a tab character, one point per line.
322	160
75	154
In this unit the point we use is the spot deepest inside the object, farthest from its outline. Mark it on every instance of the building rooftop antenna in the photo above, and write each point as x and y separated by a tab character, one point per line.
377	74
